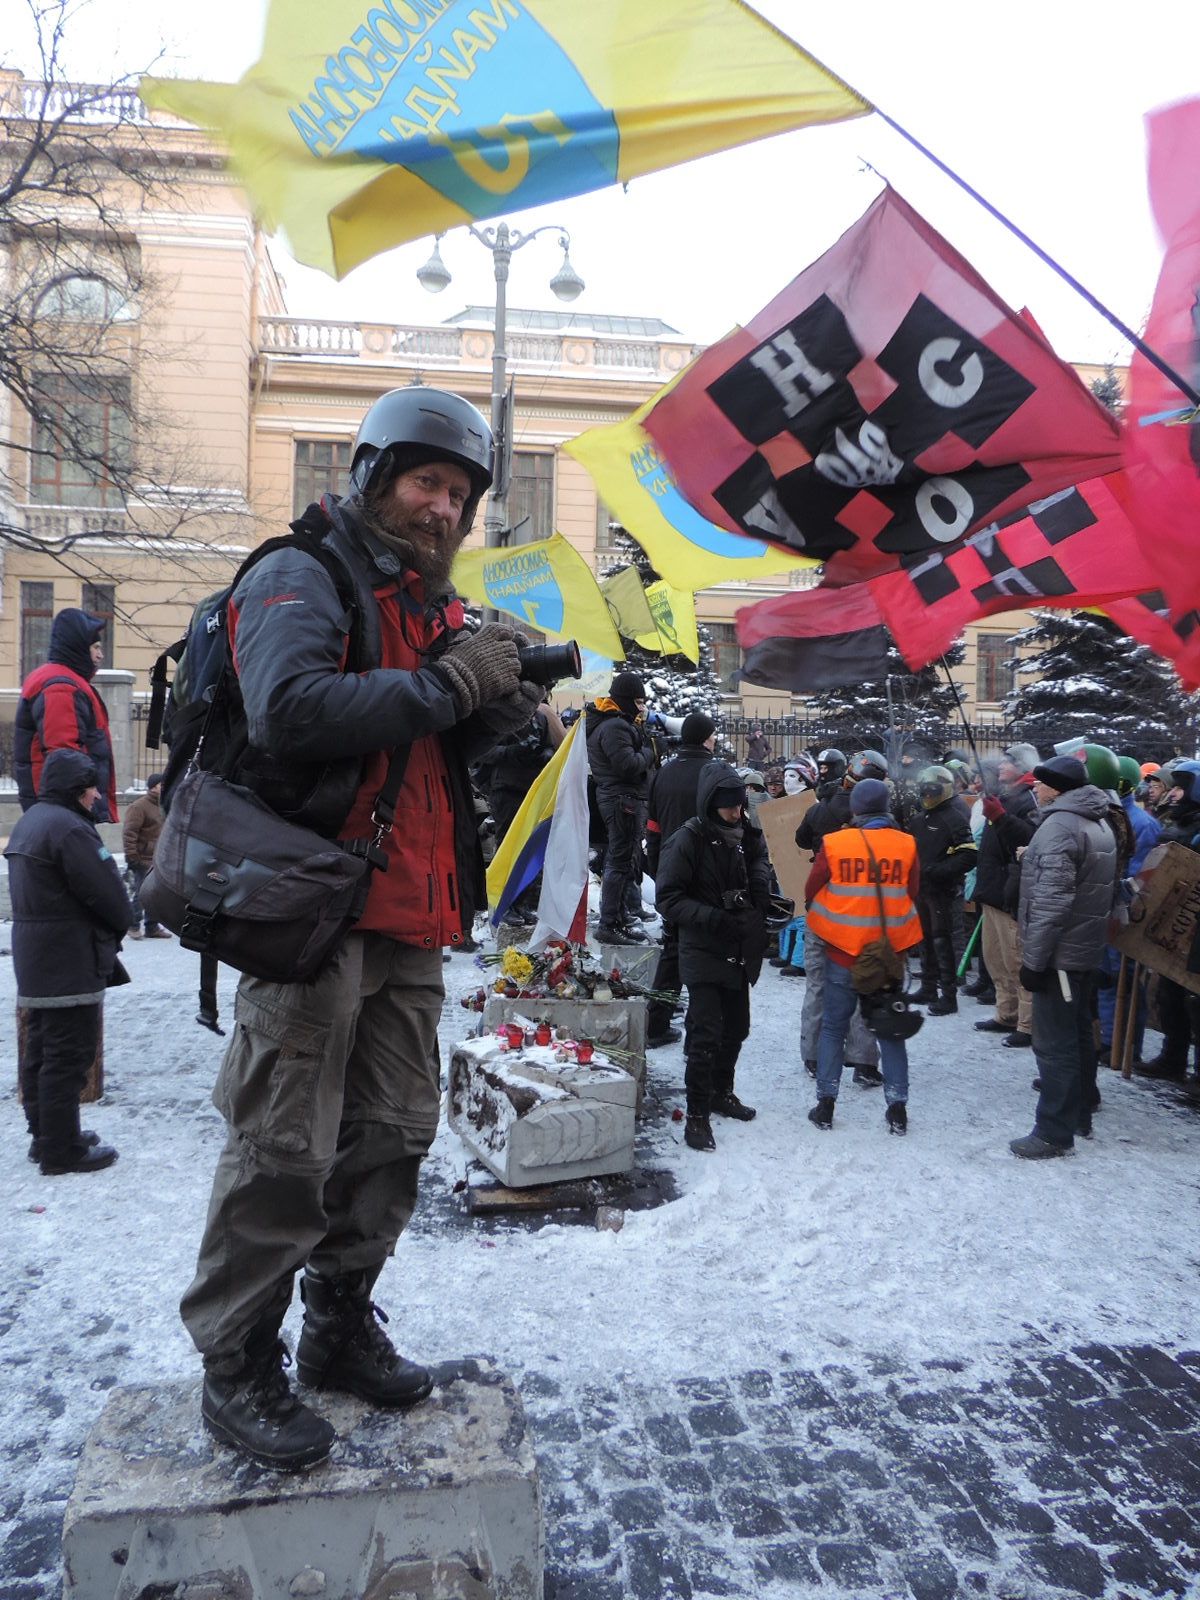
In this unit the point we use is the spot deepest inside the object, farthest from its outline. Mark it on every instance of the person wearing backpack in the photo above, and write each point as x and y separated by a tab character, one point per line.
60	710
330	1088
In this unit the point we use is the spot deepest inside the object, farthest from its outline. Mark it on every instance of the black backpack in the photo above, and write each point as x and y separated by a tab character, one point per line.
204	687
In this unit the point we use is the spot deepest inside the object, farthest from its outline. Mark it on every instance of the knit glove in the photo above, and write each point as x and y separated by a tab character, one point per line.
992	807
1037	982
483	667
512	711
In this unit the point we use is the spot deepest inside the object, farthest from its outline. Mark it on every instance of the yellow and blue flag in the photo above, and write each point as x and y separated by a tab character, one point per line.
547	584
637	485
550	831
362	126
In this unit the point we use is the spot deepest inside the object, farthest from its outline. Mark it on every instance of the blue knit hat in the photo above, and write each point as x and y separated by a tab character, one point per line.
869	798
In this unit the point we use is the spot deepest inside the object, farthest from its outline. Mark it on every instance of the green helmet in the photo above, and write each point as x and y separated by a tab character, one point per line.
1102	766
934	784
1130	775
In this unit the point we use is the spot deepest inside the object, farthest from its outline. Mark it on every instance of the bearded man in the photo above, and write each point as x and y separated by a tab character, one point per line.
330	1089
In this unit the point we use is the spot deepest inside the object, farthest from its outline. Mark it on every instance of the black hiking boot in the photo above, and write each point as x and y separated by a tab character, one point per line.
811	1068
698	1134
87	1136
78	1158
255	1411
342	1345
728	1105
609	933
866	1074
896	1117
821	1115
945	1006
923	995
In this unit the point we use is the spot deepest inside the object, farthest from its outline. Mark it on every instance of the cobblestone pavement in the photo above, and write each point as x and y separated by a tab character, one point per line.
1077	1472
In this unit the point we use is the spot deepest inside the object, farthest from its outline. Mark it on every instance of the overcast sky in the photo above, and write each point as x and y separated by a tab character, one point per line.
1038	103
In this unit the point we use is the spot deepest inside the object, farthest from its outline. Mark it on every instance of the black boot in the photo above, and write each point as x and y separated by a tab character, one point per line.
255	1410
896	1117
87	1136
698	1134
78	1158
342	1345
821	1115
946	1006
728	1105
923	995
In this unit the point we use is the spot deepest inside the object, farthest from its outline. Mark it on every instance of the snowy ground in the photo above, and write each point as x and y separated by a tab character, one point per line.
786	1248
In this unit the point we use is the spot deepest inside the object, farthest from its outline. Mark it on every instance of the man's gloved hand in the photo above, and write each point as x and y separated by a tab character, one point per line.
510	712
992	807
484	666
1037	982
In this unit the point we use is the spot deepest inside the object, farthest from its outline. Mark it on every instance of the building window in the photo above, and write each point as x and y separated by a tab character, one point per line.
532	496
727	655
608	527
322	466
993	675
37	613
80	441
101	600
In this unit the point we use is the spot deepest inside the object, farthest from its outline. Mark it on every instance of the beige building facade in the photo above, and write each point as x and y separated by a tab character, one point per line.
238	414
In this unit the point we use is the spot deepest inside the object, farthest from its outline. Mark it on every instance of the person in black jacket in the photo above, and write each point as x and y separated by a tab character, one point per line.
714	885
673	798
69	911
1010	818
947	853
620	761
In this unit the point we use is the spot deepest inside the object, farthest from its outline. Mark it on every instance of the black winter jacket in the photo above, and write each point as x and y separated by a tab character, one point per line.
617	752
827	816
69	908
998	877
699	865
674	791
945	847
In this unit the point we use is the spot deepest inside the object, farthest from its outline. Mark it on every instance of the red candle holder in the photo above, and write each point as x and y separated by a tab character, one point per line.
583	1051
542	1033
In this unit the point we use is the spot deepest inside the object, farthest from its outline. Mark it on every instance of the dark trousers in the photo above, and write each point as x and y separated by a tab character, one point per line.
666	981
1178	1012
717	1021
624	818
139	876
1066	1058
936	911
60	1046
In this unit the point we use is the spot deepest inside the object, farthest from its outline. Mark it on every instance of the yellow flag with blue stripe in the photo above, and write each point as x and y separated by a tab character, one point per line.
363	125
547	584
636	484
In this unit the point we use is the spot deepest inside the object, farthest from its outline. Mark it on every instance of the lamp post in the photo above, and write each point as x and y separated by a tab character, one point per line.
566	283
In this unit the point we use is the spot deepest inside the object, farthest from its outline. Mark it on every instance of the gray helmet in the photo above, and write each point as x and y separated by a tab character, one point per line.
434	425
868	764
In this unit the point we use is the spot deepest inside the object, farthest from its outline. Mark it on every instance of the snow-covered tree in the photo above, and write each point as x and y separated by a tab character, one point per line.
1089	680
888	712
674	685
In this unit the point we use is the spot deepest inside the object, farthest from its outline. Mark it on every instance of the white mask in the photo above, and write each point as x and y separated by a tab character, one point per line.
792	783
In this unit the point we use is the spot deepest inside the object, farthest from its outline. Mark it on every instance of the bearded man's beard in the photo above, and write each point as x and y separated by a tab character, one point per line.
431	563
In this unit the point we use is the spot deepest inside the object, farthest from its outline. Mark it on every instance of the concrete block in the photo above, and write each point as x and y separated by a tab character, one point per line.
621	1023
533	1120
442	1501
637	962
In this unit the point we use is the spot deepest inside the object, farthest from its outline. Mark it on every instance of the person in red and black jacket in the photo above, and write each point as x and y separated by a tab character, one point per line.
60	710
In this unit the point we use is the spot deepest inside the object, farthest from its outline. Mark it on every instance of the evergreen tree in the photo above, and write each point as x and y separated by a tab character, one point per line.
888	712
1089	680
674	685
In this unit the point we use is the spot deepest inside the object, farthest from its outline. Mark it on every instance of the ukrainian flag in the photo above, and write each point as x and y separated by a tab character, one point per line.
363	126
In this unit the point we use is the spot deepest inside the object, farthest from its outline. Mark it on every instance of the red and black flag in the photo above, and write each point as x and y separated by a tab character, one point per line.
882	407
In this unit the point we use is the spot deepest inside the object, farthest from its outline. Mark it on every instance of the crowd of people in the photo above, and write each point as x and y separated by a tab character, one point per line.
997	877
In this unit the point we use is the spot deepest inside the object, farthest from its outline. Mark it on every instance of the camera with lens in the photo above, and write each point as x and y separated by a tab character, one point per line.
547	663
735	899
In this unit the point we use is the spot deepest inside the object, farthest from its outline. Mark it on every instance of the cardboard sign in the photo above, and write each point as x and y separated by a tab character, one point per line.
780	819
1163	917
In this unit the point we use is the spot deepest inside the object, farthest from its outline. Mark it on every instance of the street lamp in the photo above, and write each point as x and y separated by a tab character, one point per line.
566	283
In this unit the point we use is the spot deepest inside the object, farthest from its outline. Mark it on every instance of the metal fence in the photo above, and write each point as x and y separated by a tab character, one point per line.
788	736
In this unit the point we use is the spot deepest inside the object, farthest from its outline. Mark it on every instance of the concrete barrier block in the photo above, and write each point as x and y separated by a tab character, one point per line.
532	1120
621	1023
440	1501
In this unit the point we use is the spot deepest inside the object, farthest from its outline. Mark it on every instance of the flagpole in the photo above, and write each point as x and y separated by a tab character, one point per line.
963	717
1126	332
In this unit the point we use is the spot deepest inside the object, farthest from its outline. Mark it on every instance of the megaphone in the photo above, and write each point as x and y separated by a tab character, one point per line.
673	725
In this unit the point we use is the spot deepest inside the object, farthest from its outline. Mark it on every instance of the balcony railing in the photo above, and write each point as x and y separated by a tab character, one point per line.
410	344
